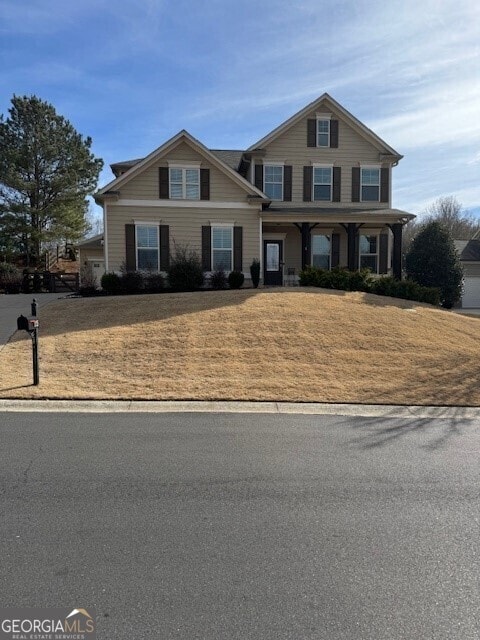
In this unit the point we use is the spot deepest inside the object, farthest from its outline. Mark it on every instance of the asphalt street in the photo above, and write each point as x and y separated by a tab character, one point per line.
230	526
11	306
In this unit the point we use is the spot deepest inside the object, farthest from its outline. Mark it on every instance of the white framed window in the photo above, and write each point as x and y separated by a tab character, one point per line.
323	132
368	252
222	248
147	247
184	183
273	181
322	183
370	184
321	251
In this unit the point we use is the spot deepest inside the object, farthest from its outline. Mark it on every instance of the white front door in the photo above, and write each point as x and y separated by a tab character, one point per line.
98	268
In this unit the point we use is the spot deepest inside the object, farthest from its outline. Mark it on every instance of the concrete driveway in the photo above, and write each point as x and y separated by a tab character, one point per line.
11	306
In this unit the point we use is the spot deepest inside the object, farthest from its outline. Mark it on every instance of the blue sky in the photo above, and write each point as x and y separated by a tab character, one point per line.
131	74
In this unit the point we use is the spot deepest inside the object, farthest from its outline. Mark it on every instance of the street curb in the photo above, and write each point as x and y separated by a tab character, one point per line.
220	406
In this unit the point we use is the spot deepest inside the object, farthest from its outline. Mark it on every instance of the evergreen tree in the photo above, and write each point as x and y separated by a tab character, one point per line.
432	261
46	173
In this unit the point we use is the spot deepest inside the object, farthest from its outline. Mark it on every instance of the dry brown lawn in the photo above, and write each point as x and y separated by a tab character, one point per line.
286	344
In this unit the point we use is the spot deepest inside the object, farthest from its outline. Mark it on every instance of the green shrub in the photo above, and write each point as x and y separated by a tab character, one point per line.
362	280
218	279
9	275
111	284
185	272
131	282
153	282
255	272
235	279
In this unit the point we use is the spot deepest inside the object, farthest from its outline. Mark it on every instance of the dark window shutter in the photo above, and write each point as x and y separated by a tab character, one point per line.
164	188
204	184
383	254
307	183
287	183
333	134
337	175
355	184
207	248
335	250
259	176
237	248
164	231
384	185
311	133
130	248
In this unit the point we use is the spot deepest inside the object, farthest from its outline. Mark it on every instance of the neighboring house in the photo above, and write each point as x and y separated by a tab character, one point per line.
469	253
91	253
316	190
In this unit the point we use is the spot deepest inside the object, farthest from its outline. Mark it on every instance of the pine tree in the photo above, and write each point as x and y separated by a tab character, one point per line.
432	261
46	173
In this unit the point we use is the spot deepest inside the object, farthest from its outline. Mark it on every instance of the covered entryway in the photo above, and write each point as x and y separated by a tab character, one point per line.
273	262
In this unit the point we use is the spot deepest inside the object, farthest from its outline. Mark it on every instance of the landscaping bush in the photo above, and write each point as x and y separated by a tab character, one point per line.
185	272
235	279
153	282
10	277
111	284
362	280
337	278
131	282
255	272
218	279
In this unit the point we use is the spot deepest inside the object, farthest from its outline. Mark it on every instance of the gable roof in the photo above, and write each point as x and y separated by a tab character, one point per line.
326	100
469	250
134	168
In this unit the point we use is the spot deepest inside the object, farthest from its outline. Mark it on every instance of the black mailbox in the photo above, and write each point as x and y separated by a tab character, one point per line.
27	324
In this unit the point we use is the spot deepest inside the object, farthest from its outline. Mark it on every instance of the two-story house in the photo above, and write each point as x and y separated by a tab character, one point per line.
316	190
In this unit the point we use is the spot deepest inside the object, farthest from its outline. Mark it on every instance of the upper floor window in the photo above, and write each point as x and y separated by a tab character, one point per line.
222	248
273	181
323	132
370	185
184	183
321	247
368	252
322	183
147	247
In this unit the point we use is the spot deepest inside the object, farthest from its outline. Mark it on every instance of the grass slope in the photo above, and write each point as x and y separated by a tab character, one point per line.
290	344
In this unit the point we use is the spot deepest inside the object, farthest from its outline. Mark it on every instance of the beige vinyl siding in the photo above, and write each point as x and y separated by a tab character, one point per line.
471	268
145	186
185	228
353	150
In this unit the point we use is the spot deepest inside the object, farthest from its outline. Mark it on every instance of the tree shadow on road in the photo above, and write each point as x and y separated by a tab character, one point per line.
437	432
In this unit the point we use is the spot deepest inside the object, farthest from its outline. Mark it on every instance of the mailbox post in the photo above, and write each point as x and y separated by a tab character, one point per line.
31	326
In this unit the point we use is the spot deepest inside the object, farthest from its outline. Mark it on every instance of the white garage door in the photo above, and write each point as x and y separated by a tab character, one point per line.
471	295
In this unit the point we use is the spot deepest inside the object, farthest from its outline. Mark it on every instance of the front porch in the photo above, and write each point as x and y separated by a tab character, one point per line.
372	240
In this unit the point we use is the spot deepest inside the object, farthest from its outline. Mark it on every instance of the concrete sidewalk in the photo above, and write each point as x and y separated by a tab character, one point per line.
13	305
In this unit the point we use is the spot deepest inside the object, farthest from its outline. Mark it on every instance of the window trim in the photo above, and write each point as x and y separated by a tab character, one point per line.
376	254
323	117
377	168
222	225
151	225
183	168
322	166
275	164
327	234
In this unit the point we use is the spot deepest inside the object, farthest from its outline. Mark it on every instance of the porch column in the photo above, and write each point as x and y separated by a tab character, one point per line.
397	250
352	236
306	244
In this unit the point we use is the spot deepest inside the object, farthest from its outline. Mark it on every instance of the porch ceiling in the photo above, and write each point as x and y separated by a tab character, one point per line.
336	215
